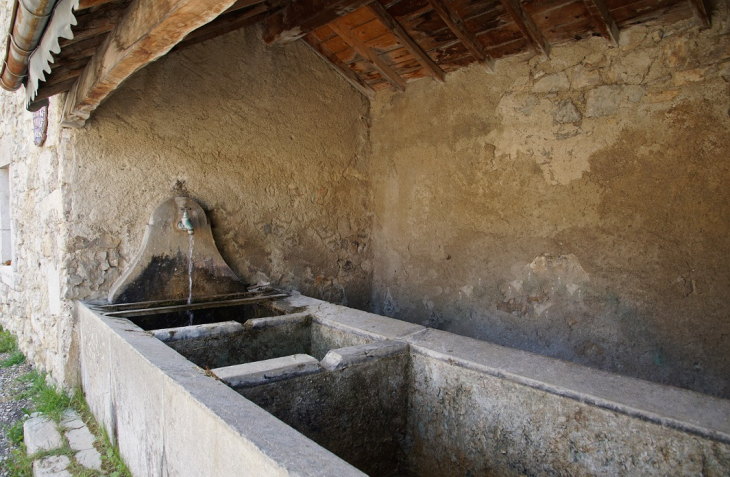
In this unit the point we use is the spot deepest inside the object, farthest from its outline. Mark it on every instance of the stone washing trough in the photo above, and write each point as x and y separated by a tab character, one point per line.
216	379
324	390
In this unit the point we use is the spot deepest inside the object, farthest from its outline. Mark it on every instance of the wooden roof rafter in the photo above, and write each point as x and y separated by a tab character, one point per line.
462	32
405	39
527	25
84	4
604	21
338	65
234	18
344	31
300	17
701	12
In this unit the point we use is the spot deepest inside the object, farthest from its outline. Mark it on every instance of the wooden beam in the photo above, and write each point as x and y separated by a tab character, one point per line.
341	28
225	23
525	23
339	66
467	38
147	31
63	73
300	17
408	43
80	50
604	21
84	4
241	4
45	92
92	24
701	11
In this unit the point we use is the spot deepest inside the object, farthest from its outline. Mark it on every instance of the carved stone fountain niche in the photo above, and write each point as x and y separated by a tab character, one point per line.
179	277
191	373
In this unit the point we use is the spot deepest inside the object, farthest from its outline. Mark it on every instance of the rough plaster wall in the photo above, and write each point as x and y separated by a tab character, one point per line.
575	207
270	141
32	286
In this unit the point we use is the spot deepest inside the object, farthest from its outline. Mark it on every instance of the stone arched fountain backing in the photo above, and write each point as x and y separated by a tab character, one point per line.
178	259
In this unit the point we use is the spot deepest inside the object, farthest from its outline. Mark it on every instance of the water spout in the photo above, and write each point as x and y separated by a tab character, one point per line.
185	223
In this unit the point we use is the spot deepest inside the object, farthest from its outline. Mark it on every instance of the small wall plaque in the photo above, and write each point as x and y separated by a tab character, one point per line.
40	126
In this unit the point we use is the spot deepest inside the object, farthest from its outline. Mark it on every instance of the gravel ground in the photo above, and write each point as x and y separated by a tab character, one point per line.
11	409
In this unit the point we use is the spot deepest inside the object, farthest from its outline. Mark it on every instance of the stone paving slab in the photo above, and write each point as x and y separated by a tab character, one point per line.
41	434
70	419
80	439
89	458
52	466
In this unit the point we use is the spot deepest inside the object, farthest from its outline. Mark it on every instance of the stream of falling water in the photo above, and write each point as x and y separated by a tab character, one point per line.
191	242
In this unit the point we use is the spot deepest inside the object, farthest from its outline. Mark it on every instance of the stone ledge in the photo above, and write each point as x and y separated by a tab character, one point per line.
208	330
270	370
345	357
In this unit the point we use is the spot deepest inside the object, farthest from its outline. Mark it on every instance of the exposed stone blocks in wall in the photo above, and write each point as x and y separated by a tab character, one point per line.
33	285
573	207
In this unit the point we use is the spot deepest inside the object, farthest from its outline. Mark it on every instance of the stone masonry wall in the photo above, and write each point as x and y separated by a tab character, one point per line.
32	286
576	207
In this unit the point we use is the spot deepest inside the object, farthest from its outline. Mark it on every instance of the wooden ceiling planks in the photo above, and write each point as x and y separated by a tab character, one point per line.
456	24
348	74
351	38
634	13
408	43
533	33
384	44
299	17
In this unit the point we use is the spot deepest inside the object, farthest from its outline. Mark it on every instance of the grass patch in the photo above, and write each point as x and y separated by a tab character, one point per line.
19	464
8	342
53	402
15	433
15	358
46	398
111	462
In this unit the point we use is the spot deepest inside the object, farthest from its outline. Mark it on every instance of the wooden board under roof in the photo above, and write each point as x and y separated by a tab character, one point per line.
407	39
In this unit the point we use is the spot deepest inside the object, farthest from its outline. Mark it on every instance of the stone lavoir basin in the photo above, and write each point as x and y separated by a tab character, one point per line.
191	373
316	389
